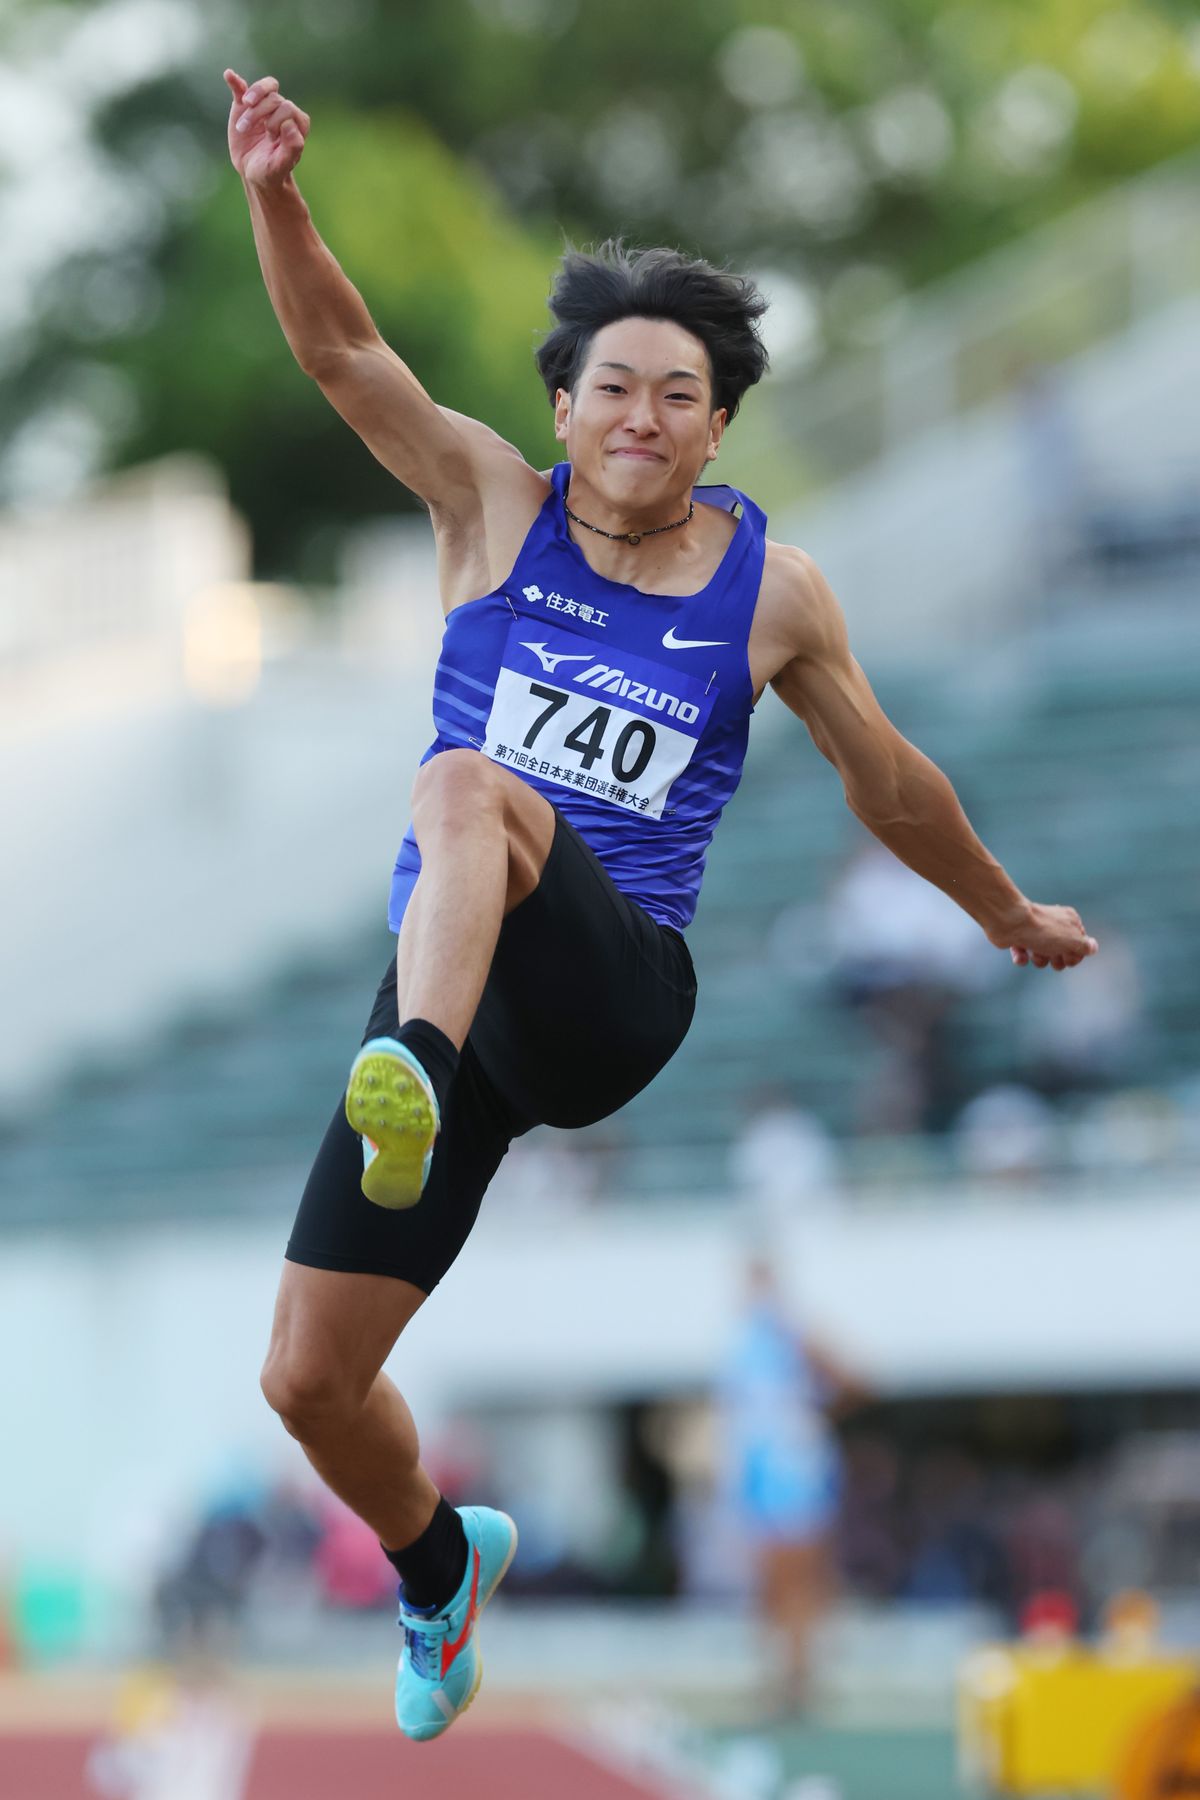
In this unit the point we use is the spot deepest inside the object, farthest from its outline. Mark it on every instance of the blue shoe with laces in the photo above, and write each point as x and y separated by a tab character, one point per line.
390	1102
440	1666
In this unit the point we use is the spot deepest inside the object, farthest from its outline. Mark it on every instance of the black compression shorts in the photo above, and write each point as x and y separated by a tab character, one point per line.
586	1000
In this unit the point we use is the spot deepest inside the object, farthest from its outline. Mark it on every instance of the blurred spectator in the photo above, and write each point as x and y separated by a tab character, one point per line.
640	1556
783	1161
1006	1131
781	1469
710	1554
1049	1621
1129	1626
903	956
1136	1129
290	1520
1152	1498
957	1554
181	1738
871	1551
200	1602
350	1571
1042	1544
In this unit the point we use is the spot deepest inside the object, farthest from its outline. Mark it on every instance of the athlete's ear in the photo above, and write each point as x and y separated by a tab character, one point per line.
562	414
716	430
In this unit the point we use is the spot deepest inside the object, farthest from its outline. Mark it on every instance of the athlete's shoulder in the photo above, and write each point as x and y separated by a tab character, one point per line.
795	601
480	437
492	456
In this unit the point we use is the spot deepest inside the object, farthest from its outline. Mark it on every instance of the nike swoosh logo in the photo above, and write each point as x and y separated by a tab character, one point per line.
674	643
451	1650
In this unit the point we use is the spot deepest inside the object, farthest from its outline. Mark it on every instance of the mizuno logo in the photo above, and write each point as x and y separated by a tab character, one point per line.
607	680
550	659
610	680
674	643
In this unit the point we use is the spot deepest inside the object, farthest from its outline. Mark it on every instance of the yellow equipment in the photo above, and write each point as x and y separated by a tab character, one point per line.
1064	1718
1163	1761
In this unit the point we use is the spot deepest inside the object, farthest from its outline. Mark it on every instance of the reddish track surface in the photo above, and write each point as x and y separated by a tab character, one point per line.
354	1765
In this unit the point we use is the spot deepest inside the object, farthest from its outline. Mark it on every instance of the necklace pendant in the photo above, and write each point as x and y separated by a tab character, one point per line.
635	537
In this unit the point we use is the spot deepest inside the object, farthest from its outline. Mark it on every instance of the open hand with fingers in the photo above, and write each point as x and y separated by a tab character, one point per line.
266	132
1053	937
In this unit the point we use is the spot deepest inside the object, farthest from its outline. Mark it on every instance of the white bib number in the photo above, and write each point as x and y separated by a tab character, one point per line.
564	714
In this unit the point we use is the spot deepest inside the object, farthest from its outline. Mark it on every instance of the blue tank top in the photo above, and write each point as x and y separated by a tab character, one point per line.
629	711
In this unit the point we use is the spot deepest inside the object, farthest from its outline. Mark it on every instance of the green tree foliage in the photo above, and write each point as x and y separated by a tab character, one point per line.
451	280
859	147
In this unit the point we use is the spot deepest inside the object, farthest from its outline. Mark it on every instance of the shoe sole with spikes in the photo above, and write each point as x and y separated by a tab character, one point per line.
391	1104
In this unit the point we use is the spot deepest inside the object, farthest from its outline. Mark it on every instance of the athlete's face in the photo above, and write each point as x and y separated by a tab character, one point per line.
640	424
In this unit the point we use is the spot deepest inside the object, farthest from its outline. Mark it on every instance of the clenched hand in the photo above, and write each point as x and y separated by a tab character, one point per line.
1047	936
266	132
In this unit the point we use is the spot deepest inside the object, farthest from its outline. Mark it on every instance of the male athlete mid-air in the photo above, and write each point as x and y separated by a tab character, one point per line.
610	627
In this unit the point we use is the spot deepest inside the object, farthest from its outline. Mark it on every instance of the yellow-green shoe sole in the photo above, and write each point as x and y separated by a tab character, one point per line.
388	1103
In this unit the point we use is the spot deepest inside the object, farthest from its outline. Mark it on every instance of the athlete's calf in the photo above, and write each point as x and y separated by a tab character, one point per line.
331	1335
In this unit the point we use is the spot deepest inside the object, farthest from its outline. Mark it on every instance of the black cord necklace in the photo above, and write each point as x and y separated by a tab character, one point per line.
629	537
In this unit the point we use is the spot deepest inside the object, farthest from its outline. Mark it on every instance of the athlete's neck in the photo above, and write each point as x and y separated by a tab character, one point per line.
618	519
671	562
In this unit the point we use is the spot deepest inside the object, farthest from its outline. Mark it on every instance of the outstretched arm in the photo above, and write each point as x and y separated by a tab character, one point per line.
438	455
903	797
844	1389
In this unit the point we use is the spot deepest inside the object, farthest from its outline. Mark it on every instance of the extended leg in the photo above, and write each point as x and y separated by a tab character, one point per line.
331	1336
484	836
322	1375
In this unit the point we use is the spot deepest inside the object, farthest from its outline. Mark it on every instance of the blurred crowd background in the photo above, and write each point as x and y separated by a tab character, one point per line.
977	222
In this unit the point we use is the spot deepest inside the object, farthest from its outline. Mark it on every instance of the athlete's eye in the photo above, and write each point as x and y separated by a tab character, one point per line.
611	387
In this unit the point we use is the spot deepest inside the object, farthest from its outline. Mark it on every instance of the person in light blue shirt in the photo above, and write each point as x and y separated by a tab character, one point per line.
777	1390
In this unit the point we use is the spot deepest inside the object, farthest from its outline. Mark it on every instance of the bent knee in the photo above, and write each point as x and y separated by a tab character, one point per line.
306	1395
456	778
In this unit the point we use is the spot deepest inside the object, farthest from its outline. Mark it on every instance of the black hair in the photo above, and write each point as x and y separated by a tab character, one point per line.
597	287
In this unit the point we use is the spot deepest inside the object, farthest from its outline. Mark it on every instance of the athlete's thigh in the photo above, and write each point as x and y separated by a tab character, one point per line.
587	996
338	1228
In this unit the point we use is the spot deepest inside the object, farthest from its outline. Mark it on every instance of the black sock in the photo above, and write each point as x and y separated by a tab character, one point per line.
432	1569
435	1053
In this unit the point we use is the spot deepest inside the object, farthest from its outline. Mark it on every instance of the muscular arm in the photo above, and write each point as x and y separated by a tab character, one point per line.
439	455
335	341
899	795
845	1389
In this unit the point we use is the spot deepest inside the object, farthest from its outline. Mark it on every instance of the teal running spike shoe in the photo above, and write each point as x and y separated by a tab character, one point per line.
440	1666
390	1102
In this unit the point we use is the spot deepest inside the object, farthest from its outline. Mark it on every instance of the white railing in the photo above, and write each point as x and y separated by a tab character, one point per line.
976	335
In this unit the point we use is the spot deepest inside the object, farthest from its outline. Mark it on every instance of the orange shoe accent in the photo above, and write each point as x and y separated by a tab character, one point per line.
450	1651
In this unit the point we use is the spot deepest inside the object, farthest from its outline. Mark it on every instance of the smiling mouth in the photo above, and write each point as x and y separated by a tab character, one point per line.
638	455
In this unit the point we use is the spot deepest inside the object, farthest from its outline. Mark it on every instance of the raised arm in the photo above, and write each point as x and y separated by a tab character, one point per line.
440	456
898	793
